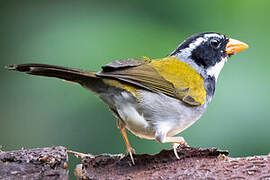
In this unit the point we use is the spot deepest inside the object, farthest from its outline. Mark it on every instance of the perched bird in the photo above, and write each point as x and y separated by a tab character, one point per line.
158	98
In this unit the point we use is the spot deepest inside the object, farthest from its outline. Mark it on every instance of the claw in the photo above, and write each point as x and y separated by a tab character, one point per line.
131	151
131	157
175	146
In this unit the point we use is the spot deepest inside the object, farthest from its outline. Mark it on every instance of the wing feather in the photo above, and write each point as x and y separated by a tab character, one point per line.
166	76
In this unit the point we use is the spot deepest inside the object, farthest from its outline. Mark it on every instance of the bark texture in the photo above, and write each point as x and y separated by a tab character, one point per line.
43	163
194	163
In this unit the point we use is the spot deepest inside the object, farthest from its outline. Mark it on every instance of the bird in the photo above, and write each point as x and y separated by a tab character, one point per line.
154	98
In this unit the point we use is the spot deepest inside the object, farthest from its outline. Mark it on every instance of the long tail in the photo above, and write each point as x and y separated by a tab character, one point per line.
70	74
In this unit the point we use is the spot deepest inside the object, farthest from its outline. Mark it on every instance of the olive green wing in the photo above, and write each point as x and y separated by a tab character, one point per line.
139	73
146	74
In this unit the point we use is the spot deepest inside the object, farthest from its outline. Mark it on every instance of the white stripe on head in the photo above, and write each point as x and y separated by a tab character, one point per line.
215	70
185	56
186	53
212	35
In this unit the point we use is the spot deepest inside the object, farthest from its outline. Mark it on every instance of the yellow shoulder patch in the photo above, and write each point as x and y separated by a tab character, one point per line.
147	59
188	83
122	85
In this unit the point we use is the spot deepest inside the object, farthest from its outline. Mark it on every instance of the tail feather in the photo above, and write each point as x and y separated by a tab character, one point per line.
69	74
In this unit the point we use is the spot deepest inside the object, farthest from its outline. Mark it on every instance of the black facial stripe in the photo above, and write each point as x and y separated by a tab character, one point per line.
199	61
206	55
188	41
185	44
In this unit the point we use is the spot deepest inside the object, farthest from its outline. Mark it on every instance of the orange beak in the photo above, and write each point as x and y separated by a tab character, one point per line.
234	46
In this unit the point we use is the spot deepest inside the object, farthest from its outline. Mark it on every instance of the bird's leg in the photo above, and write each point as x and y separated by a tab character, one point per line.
130	150
177	141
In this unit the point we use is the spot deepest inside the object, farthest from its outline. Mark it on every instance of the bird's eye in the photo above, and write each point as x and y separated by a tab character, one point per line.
214	43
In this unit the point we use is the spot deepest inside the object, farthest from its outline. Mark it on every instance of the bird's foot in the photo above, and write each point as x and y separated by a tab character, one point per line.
131	151
180	142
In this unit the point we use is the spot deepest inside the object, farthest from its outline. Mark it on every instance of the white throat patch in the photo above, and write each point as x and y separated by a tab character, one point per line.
215	70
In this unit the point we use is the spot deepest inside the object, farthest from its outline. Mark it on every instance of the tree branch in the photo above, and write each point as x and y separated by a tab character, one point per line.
194	163
43	163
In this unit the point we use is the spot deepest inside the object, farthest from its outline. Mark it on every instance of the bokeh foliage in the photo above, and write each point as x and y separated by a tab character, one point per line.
39	112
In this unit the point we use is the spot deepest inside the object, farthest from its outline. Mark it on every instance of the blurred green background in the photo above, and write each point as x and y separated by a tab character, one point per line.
39	112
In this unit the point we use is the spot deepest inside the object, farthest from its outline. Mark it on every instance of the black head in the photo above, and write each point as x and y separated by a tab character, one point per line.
207	54
206	49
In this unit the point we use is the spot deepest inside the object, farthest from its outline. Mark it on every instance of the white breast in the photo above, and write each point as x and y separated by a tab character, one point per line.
154	114
126	107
